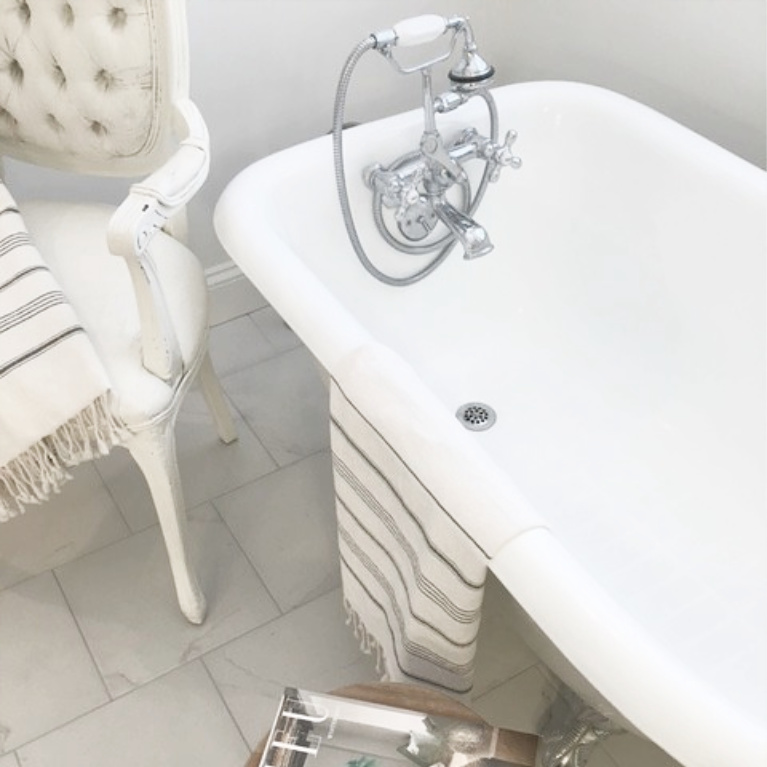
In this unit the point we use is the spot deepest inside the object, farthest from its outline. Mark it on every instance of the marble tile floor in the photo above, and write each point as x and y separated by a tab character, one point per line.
97	666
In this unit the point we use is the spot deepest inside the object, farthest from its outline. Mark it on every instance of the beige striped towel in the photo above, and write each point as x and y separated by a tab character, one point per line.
54	391
414	547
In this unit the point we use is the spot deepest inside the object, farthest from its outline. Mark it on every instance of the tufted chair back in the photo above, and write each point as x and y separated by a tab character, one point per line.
89	85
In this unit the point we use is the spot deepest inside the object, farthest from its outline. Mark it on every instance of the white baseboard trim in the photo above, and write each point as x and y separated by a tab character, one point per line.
231	293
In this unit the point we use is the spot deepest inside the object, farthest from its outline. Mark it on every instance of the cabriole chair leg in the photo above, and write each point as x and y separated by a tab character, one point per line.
216	401
154	450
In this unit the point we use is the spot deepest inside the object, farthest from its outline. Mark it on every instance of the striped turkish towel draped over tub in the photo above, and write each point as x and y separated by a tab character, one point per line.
412	576
54	391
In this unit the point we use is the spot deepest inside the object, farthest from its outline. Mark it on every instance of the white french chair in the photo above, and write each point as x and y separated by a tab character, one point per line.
100	87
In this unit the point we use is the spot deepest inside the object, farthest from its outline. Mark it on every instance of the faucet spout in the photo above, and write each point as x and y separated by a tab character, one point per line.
474	238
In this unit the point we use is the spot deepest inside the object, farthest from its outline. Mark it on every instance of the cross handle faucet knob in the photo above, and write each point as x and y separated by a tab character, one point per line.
502	156
409	195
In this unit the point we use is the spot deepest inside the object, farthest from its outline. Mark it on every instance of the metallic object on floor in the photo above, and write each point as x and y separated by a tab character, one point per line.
570	731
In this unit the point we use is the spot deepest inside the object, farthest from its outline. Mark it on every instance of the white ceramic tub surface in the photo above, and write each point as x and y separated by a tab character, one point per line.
618	329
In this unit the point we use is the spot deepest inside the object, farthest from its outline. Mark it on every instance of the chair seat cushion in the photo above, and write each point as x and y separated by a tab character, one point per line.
72	240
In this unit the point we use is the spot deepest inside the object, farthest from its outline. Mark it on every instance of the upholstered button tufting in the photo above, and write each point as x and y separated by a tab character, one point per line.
7	120
75	79
105	80
53	123
15	71
24	11
58	75
68	14
118	18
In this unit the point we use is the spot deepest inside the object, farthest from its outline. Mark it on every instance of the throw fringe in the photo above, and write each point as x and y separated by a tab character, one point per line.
41	470
368	643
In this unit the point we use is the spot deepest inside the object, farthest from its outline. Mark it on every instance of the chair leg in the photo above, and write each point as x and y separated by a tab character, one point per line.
214	397
154	450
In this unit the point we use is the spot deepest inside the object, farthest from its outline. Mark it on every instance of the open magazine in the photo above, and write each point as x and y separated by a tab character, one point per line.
318	730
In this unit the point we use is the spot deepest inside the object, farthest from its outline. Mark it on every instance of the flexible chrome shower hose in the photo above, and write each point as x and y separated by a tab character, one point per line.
343	194
359	51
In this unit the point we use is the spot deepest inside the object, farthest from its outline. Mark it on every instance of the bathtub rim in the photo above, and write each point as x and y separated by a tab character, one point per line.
232	223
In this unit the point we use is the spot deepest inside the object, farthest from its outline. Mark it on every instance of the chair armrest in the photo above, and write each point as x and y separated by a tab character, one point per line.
179	179
150	205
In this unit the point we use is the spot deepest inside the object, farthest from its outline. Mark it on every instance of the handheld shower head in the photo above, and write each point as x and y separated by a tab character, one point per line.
471	68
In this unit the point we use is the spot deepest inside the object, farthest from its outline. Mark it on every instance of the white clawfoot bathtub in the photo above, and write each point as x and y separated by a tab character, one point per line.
618	329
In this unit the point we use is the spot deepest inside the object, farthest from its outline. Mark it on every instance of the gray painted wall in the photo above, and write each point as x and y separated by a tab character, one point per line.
701	62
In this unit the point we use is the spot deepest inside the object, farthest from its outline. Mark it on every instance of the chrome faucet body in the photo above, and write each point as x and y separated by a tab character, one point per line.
473	237
414	188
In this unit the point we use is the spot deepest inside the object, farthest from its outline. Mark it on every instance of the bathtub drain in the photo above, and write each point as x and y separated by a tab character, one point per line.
476	416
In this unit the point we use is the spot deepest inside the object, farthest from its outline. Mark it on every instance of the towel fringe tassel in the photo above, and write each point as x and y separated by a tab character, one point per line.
368	643
42	469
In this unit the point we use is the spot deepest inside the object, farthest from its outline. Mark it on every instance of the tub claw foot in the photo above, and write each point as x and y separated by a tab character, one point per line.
570	732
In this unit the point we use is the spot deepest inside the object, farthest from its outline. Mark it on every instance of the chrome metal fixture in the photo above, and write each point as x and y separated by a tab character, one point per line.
411	208
476	416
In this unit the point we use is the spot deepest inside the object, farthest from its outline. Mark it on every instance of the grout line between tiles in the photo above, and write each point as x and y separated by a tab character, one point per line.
221	323
252	566
278	353
269	473
128	534
82	714
222	517
256	437
105	704
108	489
223	700
265	310
24	580
265	624
243	421
82	634
508	679
243	417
